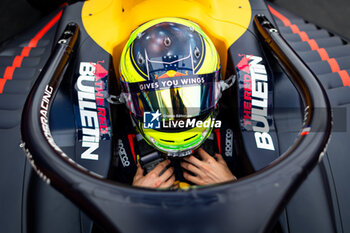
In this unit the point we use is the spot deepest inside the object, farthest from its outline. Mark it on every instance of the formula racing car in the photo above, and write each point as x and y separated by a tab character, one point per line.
65	138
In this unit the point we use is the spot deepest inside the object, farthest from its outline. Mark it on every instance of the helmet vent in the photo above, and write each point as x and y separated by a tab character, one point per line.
190	137
140	59
167	42
197	53
166	140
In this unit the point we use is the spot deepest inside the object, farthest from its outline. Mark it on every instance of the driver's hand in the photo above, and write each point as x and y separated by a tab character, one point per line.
208	170
159	177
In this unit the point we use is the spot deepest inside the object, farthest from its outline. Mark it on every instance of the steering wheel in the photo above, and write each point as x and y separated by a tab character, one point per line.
251	204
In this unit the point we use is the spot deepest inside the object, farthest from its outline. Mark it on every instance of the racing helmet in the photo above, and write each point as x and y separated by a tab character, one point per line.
171	83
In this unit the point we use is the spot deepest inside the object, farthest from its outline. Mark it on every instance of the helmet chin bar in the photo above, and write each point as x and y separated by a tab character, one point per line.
180	153
261	196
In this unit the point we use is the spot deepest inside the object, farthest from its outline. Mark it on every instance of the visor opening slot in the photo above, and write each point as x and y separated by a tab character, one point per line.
190	137
166	140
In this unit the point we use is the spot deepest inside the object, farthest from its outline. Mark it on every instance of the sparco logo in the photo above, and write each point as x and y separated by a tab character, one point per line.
228	143
122	154
256	99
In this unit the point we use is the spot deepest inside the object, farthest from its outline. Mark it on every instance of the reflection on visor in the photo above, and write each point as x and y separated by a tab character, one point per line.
176	97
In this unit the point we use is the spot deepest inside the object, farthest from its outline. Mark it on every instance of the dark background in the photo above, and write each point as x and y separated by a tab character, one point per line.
17	15
330	14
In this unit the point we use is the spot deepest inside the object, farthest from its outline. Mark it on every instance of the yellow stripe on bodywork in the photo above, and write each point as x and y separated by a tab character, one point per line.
110	22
